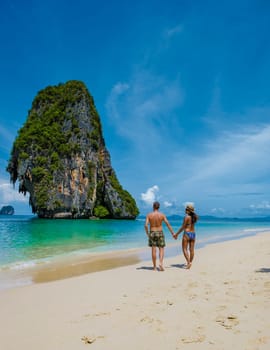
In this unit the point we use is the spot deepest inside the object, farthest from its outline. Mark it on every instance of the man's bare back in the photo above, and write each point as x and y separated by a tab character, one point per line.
155	220
156	235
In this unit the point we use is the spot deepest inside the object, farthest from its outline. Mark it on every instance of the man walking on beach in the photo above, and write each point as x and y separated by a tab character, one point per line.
156	236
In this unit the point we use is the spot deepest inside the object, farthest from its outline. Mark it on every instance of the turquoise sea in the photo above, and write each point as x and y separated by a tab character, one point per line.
27	241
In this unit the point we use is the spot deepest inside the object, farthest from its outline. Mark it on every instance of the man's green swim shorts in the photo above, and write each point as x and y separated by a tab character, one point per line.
156	239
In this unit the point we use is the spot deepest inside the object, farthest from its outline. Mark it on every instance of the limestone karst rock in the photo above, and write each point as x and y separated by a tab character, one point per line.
59	157
7	210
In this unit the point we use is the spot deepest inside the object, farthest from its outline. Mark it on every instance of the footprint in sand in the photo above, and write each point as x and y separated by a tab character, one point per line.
192	285
88	340
97	314
192	296
195	339
221	307
147	319
262	340
228	322
267	285
154	323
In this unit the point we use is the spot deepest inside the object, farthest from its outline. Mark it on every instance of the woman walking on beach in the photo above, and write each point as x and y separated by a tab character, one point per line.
189	235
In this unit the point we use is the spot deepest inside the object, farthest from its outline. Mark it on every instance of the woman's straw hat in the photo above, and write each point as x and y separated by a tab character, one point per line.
190	207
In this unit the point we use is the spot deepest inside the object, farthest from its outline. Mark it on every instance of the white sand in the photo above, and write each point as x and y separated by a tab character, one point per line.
223	302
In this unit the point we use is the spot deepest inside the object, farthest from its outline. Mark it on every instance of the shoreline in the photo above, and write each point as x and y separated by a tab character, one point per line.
96	262
66	244
72	265
222	301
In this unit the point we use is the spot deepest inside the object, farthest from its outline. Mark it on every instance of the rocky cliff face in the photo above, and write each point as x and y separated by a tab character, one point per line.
60	158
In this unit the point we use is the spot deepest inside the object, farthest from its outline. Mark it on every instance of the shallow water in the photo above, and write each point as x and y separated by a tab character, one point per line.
26	241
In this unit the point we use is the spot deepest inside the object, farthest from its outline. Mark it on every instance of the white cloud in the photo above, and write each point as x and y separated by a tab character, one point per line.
145	104
191	157
167	204
259	209
217	211
229	172
173	31
229	160
150	195
117	90
7	138
120	88
9	195
263	205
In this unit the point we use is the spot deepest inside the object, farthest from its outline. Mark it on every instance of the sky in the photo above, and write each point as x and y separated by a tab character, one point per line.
182	89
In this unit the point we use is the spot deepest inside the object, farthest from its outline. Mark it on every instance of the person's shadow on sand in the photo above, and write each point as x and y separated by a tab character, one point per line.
263	269
144	268
179	266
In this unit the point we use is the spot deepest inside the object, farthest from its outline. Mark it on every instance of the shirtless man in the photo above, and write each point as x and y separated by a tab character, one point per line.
189	235
156	236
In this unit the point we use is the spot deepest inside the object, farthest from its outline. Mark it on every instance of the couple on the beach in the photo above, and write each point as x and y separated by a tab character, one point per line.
156	238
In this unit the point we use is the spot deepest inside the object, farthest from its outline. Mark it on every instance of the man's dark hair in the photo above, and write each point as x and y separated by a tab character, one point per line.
156	205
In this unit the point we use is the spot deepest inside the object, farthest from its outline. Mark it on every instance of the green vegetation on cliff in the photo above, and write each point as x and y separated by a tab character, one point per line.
44	134
59	157
125	196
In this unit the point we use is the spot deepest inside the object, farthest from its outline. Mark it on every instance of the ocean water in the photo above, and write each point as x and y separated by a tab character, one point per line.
29	240
26	241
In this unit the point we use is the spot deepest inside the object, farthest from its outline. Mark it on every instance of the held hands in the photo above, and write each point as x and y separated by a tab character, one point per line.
175	235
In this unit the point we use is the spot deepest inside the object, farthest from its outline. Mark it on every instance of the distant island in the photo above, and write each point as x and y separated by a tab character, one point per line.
7	210
216	218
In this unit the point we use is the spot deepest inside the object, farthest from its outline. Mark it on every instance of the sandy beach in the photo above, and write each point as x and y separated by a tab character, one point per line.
222	302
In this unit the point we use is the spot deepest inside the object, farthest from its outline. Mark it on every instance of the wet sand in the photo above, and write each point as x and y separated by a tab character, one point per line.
75	265
60	271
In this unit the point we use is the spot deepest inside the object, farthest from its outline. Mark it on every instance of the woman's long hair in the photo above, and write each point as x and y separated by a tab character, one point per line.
191	212
194	217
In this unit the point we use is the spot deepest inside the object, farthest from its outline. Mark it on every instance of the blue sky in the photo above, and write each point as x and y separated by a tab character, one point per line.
182	89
